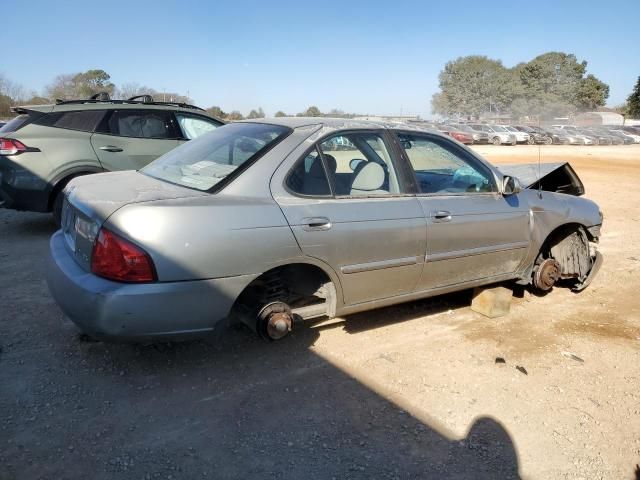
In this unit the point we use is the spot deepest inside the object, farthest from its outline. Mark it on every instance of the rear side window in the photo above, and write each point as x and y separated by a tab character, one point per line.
309	176
139	124
85	120
193	126
14	124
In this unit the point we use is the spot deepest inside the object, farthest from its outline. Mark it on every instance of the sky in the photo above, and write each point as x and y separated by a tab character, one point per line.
369	57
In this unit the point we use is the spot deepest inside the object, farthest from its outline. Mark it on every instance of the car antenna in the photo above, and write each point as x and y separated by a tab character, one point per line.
539	167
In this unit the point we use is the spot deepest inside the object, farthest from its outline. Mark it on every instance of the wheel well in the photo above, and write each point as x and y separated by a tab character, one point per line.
569	245
306	288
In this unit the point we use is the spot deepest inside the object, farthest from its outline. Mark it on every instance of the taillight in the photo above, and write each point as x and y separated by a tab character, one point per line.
9	146
118	259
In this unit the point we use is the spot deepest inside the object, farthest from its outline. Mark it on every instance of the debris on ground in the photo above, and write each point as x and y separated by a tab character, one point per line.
572	356
522	369
500	360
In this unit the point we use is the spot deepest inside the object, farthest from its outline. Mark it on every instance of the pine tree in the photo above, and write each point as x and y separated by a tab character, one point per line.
633	102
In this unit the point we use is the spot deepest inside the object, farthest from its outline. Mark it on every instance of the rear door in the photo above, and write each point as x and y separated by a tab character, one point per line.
473	231
129	139
347	206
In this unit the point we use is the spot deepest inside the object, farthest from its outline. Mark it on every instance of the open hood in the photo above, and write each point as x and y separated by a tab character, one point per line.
551	177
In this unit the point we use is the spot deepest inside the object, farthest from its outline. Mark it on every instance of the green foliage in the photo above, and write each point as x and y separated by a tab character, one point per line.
280	113
552	84
5	106
234	116
80	85
256	113
633	102
312	111
216	112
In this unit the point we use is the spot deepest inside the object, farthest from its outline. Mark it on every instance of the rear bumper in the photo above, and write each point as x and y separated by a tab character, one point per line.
112	310
21	189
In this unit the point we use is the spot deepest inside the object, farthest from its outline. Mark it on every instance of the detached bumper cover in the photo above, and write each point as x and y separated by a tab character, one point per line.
107	309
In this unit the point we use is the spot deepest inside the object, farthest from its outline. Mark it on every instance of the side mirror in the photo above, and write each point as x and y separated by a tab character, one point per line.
510	185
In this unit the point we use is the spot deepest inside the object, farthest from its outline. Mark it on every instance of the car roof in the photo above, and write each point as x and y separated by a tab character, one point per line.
338	123
110	105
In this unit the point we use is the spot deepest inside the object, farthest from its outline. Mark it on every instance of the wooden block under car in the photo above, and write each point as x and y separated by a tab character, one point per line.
491	302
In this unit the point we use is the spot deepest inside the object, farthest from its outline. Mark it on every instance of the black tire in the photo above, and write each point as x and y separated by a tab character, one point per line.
496	141
531	141
548	141
56	208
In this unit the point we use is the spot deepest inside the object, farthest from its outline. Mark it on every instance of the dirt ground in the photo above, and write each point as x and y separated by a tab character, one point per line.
411	391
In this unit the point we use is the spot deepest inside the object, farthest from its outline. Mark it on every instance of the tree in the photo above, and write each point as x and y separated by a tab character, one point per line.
633	101
80	85
591	93
216	112
11	89
133	89
280	113
5	106
256	113
473	85
234	116
312	111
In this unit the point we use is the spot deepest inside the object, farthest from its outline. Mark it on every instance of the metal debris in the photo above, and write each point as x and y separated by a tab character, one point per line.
572	356
521	369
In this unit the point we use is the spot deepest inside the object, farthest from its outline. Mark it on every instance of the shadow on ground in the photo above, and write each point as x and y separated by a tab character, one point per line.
233	408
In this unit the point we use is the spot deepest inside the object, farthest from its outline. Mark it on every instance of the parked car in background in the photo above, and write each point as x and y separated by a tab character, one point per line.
601	131
257	222
497	135
573	131
458	134
521	137
45	146
561	137
599	138
535	136
634	138
478	136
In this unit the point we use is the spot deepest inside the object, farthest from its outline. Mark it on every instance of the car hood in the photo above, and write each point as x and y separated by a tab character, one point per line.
99	196
553	177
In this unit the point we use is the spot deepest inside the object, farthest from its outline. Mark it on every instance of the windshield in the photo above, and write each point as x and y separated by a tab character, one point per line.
205	161
498	128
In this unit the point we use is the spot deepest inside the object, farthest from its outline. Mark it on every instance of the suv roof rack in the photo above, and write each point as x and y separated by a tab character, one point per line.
103	97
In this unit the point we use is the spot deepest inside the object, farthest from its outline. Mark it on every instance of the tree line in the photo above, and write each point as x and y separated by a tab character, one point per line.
551	85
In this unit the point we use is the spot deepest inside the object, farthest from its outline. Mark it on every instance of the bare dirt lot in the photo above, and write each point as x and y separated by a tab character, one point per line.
411	391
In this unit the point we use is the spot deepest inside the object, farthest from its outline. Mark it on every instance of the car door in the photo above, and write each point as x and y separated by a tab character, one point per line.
473	231
129	139
346	204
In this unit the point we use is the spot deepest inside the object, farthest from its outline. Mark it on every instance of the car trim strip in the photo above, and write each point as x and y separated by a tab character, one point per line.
436	257
379	265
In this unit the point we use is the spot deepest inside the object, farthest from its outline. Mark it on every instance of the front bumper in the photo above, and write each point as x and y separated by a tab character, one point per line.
20	189
162	310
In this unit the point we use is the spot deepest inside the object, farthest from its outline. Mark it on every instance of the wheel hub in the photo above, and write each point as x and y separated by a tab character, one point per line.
547	274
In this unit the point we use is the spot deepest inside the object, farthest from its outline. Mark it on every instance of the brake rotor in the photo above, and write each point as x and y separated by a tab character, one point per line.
275	321
547	274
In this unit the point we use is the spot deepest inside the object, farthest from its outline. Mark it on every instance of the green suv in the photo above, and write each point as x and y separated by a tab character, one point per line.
45	146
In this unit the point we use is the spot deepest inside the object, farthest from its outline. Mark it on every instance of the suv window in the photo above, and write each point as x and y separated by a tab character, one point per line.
138	124
85	120
193	126
359	164
441	167
14	124
309	176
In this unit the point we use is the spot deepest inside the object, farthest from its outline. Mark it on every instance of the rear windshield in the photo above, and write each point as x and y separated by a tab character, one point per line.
14	124
222	153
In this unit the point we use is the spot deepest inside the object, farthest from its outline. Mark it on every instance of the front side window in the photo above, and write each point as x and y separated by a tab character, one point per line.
193	126
204	162
139	124
85	120
441	168
359	164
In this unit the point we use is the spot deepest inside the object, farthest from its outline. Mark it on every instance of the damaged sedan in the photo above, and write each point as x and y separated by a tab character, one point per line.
268	222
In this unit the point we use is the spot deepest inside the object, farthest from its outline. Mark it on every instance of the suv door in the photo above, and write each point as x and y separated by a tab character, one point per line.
473	231
129	139
346	204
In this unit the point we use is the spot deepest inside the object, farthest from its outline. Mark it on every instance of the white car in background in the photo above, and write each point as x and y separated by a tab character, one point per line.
521	137
635	137
498	135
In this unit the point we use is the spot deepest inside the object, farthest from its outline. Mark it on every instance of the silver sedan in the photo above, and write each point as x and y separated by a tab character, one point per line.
271	221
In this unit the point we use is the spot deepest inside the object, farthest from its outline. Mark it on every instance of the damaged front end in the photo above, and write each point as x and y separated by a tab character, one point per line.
549	177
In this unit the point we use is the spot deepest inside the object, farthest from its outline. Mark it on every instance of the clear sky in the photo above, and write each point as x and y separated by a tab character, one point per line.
376	57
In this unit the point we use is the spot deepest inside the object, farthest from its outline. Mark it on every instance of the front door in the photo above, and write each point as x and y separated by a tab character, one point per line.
473	231
346	204
129	139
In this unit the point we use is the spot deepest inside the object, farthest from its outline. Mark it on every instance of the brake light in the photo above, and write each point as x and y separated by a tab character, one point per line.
118	259
9	146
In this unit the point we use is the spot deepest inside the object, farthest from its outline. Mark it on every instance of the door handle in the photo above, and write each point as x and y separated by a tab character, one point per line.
314	224
111	148
441	216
